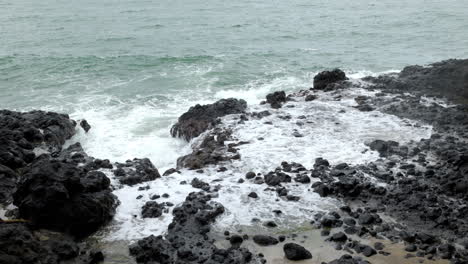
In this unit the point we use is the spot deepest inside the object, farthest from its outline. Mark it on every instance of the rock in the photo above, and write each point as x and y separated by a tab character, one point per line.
325	78
170	171
441	79
200	118
197	183
85	125
136	171
302	178
294	251
339	237
368	251
310	97
250	175
276	99
253	195
236	240
211	151
60	196
385	148
264	240
348	259
274	179
152	209
186	240
411	248
19	244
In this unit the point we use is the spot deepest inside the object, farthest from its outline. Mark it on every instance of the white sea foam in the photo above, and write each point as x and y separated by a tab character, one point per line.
330	127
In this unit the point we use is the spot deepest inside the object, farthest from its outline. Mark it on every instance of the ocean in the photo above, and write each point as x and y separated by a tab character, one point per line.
131	67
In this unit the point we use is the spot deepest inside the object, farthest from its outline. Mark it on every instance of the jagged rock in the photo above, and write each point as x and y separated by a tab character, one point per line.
19	244
326	78
186	240
197	183
294	251
21	137
85	125
276	99
152	209
200	118
60	196
211	151
136	171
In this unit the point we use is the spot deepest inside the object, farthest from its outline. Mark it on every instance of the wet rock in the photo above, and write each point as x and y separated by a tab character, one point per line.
310	97
264	240
326	78
136	171
339	237
200	118
411	248
250	175
276	99
274	179
19	244
199	184
236	240
170	171
385	148
152	209
186	240
85	125
253	195
445	79
60	196
211	151
294	251
348	259
302	178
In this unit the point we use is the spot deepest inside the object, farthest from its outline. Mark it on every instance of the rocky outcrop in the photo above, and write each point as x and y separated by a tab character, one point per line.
58	195
200	118
22	135
447	79
19	244
186	240
210	151
325	80
136	171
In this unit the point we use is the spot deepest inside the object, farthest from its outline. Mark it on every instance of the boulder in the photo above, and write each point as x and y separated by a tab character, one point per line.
276	99
326	78
294	251
264	240
200	118
60	196
136	171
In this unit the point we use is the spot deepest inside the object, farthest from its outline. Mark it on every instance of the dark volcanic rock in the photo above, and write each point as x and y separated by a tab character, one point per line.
152	209
200	118
20	135
447	78
294	251
186	240
276	99
325	78
199	184
18	245
85	125
348	259
136	171
264	240
60	196
211	151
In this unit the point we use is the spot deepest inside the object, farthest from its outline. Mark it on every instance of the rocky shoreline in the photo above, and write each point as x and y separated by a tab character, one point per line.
415	194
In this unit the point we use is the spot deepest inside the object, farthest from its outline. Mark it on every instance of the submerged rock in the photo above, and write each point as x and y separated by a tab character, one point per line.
200	118
264	240
60	196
